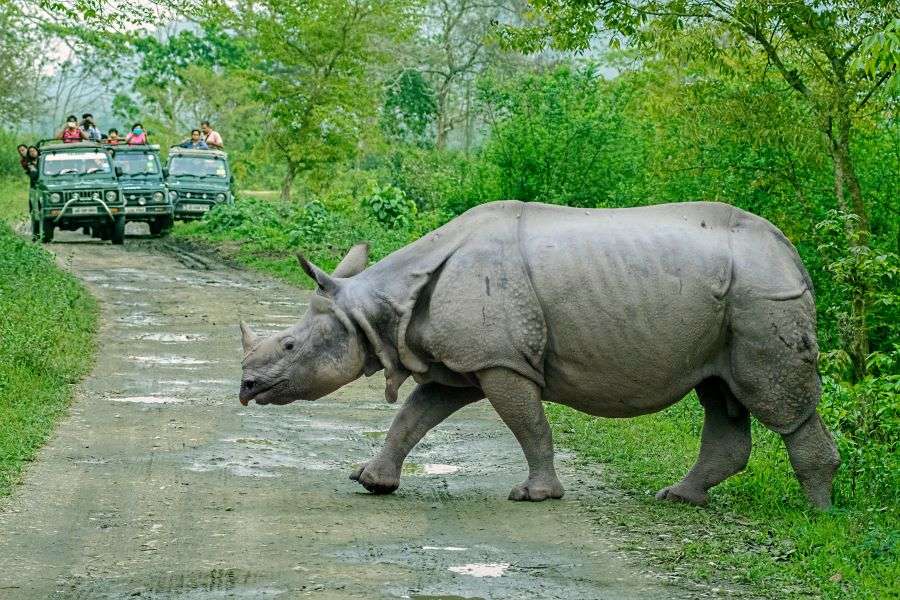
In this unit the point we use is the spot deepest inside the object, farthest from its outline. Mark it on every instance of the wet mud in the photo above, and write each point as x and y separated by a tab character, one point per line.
159	485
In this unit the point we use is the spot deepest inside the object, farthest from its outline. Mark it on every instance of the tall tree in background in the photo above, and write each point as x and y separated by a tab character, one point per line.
837	57
318	65
20	65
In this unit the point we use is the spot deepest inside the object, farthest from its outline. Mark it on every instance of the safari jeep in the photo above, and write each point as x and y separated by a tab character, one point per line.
76	187
144	188
197	181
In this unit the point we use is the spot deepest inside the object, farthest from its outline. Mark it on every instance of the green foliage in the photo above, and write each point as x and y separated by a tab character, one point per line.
391	207
44	314
409	108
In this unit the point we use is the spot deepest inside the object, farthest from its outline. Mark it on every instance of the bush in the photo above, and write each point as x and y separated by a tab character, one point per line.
391	207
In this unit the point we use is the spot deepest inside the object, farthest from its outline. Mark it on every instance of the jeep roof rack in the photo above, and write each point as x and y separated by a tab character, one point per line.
122	146
177	149
57	143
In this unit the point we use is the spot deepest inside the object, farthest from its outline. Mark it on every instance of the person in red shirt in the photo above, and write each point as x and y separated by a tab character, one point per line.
71	133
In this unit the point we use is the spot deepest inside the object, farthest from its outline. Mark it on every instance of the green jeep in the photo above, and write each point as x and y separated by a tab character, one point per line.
197	181
142	182
76	187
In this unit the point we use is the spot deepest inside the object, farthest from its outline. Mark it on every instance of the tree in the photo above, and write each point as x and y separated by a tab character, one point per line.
20	65
830	55
316	66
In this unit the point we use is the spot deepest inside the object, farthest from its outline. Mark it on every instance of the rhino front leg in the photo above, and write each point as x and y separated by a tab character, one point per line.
427	406
518	402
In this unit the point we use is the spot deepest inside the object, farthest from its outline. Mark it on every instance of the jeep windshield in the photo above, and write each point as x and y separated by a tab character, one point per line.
198	166
138	163
76	163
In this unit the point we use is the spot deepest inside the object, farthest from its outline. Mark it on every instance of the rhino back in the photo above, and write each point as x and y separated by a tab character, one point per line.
633	300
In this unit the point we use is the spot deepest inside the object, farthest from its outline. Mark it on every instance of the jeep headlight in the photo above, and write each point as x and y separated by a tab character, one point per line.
220	197
111	196
55	198
158	197
173	195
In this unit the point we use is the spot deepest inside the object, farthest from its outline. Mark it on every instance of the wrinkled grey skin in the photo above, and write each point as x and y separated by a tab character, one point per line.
616	313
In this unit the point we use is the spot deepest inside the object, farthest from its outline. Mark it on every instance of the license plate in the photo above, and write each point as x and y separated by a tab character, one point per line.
195	207
135	209
84	210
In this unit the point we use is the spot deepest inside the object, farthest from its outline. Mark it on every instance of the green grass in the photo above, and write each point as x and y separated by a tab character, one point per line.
45	315
757	531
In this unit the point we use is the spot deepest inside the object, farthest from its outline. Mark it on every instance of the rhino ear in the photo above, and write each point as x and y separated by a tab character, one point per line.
323	280
354	262
248	337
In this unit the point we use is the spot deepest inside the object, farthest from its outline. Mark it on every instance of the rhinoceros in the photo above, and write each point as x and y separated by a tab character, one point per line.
614	312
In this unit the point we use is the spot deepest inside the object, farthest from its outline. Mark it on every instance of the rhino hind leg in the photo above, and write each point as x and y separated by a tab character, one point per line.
724	446
814	458
518	402
773	373
426	407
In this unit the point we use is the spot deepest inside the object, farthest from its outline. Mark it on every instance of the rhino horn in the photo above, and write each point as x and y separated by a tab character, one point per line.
323	280
248	337
355	261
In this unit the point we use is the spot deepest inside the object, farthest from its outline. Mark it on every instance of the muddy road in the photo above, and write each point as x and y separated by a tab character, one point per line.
158	484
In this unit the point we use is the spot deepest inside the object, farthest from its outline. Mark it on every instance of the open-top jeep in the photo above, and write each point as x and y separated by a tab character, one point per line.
76	187
143	185
197	181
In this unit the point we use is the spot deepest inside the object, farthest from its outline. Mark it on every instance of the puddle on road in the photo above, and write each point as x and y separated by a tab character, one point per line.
445	548
415	469
481	569
170	337
148	399
139	320
169	360
259	457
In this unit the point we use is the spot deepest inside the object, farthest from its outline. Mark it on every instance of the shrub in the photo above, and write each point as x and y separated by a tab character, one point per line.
391	207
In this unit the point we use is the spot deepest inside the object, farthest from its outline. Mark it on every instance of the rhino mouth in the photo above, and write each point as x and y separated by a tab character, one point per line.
260	393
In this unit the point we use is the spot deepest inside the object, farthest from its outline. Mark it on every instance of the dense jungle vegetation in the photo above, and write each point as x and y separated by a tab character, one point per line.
347	120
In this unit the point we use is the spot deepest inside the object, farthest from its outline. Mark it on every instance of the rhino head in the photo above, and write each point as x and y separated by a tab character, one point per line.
313	358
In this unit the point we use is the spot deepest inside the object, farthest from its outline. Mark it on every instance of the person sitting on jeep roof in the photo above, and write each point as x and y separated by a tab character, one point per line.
195	142
137	136
71	133
112	138
89	127
211	136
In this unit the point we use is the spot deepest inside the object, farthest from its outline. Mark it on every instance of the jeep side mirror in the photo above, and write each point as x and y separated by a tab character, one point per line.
119	171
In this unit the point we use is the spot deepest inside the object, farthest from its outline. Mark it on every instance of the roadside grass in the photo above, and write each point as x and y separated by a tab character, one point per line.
757	531
47	324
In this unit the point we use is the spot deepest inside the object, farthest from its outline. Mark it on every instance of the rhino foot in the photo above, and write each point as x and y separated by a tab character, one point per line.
536	490
377	477
683	493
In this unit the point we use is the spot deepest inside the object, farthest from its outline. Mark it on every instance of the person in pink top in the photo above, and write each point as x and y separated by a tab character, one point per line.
136	136
71	133
211	136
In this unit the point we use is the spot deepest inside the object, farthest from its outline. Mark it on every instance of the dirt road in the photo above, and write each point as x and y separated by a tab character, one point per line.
160	485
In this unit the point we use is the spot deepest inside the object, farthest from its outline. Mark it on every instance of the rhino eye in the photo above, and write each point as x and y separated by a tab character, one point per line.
289	345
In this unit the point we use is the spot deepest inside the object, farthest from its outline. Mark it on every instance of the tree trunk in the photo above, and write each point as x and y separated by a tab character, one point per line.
858	234
288	182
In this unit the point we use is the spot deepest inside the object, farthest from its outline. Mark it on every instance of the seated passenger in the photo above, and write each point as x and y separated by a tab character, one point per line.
195	142
137	136
71	133
112	138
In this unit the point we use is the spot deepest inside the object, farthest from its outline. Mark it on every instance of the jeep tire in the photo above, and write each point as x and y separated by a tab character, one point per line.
117	231
47	231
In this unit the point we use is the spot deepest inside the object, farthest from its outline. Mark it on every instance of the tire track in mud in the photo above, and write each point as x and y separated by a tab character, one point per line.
158	484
